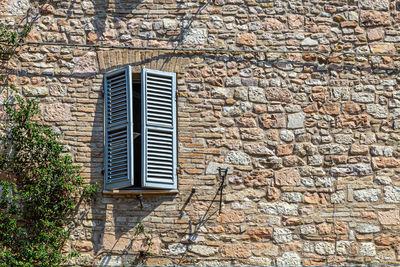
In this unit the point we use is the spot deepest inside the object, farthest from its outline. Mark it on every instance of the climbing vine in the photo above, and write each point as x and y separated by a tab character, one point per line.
40	186
40	192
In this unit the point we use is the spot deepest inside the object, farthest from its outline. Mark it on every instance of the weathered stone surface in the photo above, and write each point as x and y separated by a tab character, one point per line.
84	246
176	249
246	39
383	48
385	162
213	168
308	229
259	233
260	261
363	97
237	158
252	134
279	95
286	135
195	37
246	122
295	21
288	176
359	150
258	149
282	235
278	208
35	91
264	249
325	248
353	121
387	240
375	34
272	24
367	249
390	217
309	42
367	228
344	139
375	18
238	251
273	121
386	151
315	198
14	7
170	24
232	216
203	250
289	259
293	197
296	120
57	112
367	195
343	247
258	178
391	194
57	89
374	4
257	95
86	65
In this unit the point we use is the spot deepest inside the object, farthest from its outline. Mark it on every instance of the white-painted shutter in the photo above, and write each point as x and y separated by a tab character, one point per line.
118	128
159	155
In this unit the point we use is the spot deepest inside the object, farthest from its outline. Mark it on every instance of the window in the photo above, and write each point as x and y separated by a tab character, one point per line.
140	129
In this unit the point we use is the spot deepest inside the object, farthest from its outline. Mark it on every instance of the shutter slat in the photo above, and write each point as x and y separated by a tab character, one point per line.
116	98
161	100
155	103
159	131
118	133
156	77
109	108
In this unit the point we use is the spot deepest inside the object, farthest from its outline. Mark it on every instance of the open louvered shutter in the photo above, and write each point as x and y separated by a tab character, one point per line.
159	129
118	128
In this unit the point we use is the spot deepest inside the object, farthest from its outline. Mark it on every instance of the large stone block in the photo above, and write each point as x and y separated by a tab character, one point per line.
374	4
390	217
237	158
375	18
288	176
281	208
289	259
57	112
248	39
86	65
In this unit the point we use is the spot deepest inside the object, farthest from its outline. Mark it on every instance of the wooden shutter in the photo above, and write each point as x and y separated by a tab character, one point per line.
159	157
118	128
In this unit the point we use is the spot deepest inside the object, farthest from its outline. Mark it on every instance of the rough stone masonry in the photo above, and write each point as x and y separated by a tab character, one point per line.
310	135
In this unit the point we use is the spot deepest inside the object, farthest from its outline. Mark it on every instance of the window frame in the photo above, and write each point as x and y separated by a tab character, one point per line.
126	186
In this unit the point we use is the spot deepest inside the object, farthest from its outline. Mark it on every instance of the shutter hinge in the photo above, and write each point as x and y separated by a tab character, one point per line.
178	170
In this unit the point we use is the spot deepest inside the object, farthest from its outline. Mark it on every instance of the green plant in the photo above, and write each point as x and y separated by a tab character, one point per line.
13	36
40	193
143	254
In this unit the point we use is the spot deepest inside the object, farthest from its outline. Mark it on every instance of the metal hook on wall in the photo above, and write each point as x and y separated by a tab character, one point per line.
222	175
140	198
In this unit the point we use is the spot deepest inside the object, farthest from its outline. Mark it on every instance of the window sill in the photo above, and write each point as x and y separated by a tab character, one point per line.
139	191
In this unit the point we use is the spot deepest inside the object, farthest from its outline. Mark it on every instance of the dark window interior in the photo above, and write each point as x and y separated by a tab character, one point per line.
137	125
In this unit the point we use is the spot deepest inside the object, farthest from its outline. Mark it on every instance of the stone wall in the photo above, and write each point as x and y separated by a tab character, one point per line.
310	135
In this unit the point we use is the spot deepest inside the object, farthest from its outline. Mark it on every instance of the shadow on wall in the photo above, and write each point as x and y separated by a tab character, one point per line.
116	9
121	230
